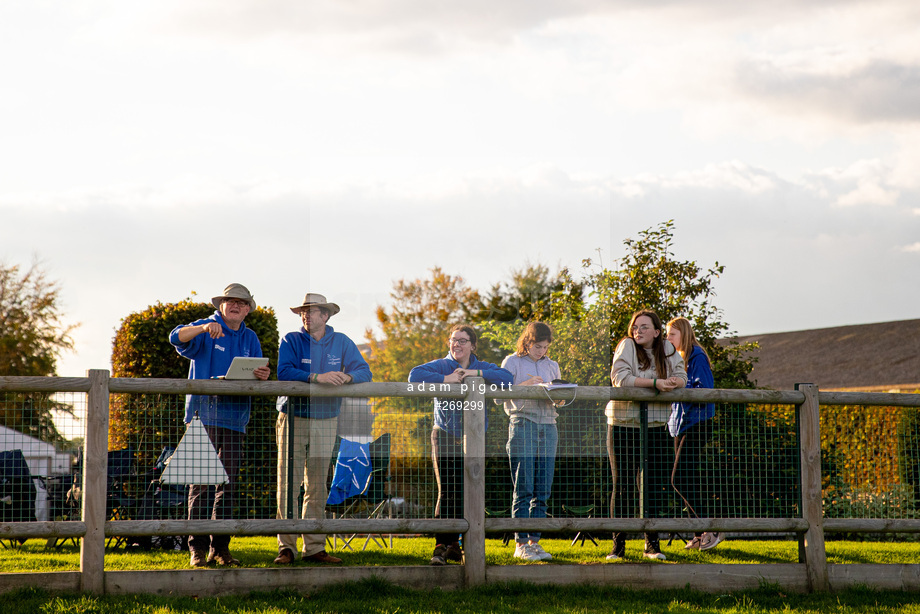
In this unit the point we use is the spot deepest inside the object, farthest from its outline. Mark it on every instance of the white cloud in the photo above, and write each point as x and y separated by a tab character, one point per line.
913	248
869	193
863	183
877	91
733	176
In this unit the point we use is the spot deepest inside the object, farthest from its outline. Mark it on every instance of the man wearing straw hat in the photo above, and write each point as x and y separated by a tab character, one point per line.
211	344
306	428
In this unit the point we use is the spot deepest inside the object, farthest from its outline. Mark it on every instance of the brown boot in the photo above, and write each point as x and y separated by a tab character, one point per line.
322	557
223	558
285	557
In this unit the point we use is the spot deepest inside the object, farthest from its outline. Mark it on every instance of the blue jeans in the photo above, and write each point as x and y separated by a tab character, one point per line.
532	452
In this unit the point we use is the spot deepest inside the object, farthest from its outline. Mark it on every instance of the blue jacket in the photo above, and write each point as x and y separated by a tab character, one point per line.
699	375
300	355
211	358
448	414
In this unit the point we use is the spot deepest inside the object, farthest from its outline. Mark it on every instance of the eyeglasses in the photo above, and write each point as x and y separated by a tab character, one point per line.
640	329
458	341
237	301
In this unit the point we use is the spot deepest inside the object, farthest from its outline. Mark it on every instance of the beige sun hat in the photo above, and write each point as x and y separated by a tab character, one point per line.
316	300
235	291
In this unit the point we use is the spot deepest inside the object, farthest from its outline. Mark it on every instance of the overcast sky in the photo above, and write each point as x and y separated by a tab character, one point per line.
152	150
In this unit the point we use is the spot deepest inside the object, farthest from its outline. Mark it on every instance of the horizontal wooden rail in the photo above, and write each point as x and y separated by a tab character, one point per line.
385	389
456	391
893	399
642	525
276	526
873	525
9	383
26	530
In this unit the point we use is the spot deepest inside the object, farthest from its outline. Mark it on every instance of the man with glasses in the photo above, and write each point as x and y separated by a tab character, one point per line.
211	345
306	428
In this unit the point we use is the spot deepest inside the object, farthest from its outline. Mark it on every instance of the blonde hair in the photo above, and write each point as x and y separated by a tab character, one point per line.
687	338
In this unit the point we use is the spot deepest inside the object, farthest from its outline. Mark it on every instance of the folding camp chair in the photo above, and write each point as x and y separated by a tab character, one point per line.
373	501
580	511
162	502
120	504
61	506
17	492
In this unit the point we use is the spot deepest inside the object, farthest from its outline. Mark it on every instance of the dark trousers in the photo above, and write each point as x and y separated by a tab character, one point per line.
216	502
624	447
686	476
447	458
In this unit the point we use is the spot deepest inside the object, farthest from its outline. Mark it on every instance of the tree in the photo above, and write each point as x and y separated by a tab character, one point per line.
32	333
32	336
586	333
646	277
414	330
528	296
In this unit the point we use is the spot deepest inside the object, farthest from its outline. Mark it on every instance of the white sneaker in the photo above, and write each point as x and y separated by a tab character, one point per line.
693	544
613	557
540	552
710	540
525	552
653	552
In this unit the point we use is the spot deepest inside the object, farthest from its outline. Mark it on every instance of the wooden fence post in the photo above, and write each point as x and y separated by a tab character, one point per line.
474	482
95	478
812	544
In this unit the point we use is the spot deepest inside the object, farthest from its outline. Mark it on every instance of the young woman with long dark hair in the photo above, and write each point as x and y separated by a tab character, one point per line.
643	359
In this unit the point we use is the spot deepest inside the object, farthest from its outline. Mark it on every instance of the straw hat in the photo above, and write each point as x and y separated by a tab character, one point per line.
316	300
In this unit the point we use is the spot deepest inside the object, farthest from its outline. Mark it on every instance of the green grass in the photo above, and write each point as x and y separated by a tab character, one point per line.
257	552
374	597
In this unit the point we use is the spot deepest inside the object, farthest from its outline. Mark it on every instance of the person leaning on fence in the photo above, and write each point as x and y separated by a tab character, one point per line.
447	433
532	436
212	344
306	428
644	359
691	427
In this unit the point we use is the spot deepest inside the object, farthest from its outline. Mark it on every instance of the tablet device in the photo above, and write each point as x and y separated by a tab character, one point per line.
243	367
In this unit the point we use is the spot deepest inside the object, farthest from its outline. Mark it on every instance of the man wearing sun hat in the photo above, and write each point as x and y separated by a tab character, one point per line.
318	355
211	345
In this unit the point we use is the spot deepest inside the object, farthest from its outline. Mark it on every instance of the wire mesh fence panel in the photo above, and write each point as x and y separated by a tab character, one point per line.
413	482
41	437
870	461
211	468
751	463
742	463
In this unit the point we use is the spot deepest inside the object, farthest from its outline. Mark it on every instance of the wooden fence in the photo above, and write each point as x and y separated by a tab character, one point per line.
811	573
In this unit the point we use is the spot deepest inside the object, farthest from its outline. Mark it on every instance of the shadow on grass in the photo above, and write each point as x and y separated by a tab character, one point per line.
375	595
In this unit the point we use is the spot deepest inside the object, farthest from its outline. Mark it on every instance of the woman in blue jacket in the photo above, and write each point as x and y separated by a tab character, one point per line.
690	425
447	433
